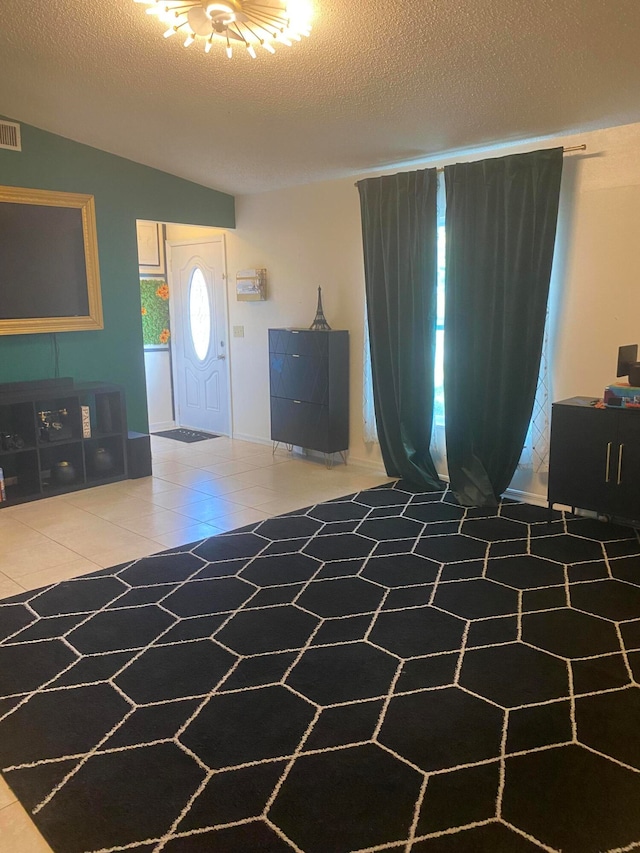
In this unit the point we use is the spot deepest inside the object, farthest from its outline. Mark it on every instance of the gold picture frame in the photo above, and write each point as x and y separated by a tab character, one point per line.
39	245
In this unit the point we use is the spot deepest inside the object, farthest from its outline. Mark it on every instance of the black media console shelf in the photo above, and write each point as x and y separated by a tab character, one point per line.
594	460
44	447
309	381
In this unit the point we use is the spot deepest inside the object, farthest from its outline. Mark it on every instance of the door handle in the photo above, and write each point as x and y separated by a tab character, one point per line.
620	449
221	357
606	477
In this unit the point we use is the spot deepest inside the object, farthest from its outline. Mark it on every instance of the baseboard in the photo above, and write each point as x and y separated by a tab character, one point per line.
515	494
242	436
526	497
161	427
377	467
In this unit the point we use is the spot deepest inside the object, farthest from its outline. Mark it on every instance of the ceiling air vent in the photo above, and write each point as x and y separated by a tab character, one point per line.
10	135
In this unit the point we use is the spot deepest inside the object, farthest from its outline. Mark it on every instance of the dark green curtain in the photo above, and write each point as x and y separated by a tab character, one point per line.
500	225
399	234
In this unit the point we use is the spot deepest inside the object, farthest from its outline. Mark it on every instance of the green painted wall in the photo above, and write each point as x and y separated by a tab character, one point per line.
124	191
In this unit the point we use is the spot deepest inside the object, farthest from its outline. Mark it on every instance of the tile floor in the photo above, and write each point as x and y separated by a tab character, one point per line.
197	490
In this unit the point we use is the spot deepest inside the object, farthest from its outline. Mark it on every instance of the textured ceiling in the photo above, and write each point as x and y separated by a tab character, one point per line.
377	84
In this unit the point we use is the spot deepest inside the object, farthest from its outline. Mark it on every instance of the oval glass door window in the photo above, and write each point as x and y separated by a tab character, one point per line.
199	314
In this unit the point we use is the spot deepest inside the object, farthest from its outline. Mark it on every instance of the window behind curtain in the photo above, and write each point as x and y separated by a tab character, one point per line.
535	454
368	410
369	417
438	403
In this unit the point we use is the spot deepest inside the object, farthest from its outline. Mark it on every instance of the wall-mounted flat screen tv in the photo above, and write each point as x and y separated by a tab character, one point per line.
49	275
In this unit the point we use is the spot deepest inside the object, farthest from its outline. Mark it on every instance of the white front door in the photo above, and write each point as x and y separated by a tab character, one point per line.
199	334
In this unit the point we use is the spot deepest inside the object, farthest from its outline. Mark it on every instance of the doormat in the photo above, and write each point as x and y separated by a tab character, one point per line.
187	435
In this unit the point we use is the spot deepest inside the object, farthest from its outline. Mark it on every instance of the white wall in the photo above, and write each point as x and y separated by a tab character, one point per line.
309	236
601	306
306	237
157	370
596	276
157	362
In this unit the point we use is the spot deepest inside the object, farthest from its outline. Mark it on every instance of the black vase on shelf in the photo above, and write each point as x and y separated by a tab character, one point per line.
102	461
63	473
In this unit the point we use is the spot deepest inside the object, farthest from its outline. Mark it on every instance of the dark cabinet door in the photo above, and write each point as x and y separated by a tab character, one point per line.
583	454
299	377
298	342
299	423
625	467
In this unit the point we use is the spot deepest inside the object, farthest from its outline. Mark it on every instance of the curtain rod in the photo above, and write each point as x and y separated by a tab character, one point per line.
567	150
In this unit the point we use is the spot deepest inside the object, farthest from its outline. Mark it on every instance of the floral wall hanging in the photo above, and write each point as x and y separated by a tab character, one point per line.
154	299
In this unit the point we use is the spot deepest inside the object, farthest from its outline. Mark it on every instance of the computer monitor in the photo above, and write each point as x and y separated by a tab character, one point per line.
628	364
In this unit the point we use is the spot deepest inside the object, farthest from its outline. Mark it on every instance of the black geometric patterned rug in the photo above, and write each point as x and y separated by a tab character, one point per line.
386	671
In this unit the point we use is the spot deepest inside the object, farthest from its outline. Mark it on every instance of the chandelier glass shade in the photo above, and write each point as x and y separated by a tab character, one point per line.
248	24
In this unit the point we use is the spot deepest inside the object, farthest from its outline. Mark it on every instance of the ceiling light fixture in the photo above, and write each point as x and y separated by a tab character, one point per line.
235	23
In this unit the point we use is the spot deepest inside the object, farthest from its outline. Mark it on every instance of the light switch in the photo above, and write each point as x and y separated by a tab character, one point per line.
238	331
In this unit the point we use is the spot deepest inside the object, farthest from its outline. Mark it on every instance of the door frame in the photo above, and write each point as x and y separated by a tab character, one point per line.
169	244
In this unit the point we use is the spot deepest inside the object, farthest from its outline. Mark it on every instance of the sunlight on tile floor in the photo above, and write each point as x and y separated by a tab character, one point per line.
197	490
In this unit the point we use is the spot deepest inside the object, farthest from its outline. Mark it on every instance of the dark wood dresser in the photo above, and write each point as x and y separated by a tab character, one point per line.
594	460
309	387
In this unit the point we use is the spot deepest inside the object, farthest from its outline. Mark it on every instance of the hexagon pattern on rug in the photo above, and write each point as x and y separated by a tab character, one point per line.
384	671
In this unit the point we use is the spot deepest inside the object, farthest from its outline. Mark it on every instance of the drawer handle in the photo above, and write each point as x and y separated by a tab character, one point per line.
295	355
606	479
620	449
297	401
